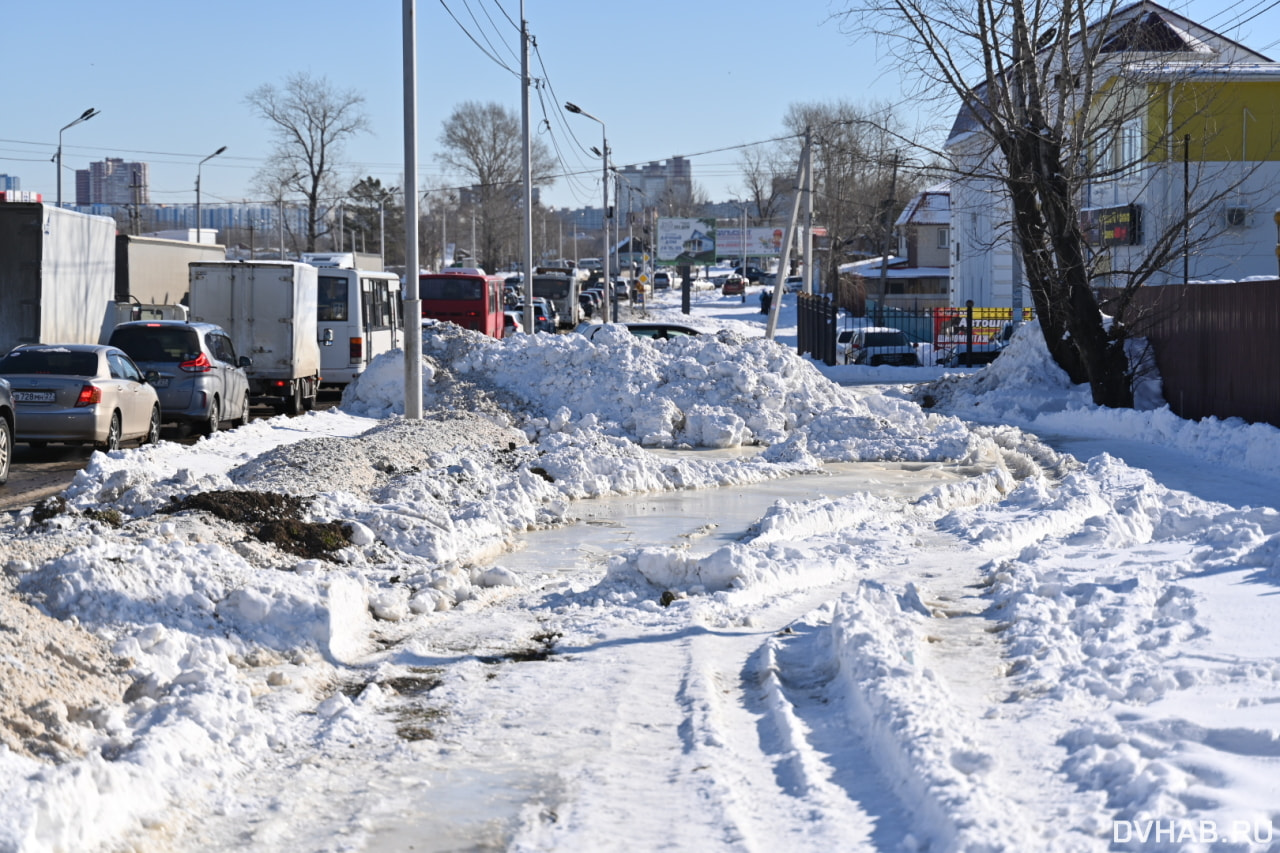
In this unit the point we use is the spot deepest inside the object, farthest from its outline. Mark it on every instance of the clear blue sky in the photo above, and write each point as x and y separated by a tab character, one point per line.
669	78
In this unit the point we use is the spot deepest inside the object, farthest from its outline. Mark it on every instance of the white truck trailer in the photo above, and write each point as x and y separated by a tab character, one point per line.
269	310
152	276
57	275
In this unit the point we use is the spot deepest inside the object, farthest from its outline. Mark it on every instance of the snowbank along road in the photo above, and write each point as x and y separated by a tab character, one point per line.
882	628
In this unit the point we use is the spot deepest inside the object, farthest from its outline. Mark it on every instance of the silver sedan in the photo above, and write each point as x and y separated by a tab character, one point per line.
80	394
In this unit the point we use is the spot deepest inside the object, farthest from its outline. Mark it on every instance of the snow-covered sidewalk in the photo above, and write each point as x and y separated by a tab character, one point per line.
303	634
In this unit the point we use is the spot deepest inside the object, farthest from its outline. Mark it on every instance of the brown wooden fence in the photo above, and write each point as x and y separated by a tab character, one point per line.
1217	347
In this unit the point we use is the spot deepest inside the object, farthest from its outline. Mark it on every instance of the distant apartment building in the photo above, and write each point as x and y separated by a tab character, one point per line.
654	184
113	181
10	183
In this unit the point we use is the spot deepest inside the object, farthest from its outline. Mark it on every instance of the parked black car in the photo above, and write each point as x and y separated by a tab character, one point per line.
6	430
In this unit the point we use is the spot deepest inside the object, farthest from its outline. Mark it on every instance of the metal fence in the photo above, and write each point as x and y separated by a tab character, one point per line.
1217	347
972	335
816	317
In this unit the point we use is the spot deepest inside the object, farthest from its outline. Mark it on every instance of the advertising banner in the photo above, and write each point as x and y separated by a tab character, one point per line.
951	326
760	242
686	242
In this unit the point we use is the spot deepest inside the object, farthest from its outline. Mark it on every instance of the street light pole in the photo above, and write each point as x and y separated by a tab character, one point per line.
84	116
198	165
604	210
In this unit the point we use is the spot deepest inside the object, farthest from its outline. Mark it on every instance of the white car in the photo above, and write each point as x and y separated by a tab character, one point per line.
80	394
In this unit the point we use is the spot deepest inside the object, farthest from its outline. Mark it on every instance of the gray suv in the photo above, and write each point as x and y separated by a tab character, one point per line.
201	382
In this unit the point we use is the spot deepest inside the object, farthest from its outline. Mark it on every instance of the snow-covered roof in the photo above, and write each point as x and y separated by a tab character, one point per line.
931	207
897	269
1172	42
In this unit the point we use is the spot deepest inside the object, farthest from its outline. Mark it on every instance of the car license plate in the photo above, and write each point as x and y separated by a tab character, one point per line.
33	396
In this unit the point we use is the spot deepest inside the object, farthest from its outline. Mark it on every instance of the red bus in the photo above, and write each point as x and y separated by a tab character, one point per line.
466	296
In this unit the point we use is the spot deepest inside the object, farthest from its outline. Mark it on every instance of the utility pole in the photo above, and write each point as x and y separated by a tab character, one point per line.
412	298
809	265
135	215
888	233
802	172
526	166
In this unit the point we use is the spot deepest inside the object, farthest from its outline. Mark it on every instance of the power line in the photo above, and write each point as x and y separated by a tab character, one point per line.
465	32
574	189
472	13
546	75
505	15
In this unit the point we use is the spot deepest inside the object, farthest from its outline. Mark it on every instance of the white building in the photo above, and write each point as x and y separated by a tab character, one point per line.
1225	97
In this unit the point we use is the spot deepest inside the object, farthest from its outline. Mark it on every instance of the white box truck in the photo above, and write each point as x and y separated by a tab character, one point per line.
57	275
152	276
269	310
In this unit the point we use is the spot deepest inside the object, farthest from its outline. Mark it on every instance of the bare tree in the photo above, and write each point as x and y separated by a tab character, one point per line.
862	174
764	169
1057	100
483	142
311	122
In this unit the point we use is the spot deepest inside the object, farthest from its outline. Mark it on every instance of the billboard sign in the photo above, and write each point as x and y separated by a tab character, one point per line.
759	242
689	242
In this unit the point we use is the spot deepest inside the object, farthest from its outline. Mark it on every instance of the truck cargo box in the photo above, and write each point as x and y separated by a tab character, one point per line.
57	275
153	271
269	310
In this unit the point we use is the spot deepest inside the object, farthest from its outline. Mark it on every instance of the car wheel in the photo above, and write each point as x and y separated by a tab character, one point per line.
112	441
293	405
244	412
153	431
213	419
6	450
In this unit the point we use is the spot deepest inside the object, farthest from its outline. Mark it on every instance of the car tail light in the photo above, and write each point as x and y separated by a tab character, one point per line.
199	364
357	349
90	395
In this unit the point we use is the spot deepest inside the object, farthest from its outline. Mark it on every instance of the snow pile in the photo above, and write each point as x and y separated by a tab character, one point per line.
1025	388
1032	647
718	391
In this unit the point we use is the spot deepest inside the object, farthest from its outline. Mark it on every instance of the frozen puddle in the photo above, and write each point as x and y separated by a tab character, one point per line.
483	803
706	519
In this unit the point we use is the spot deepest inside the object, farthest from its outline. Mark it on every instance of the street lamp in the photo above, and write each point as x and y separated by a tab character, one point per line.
84	116
604	209
198	165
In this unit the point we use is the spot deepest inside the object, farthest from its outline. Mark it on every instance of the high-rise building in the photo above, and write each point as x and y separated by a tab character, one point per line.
10	183
113	181
657	183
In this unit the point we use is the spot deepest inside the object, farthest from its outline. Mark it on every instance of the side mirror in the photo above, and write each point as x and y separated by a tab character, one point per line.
327	338
246	362
151	377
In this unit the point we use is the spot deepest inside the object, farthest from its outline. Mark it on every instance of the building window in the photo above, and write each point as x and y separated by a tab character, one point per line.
944	238
1131	148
